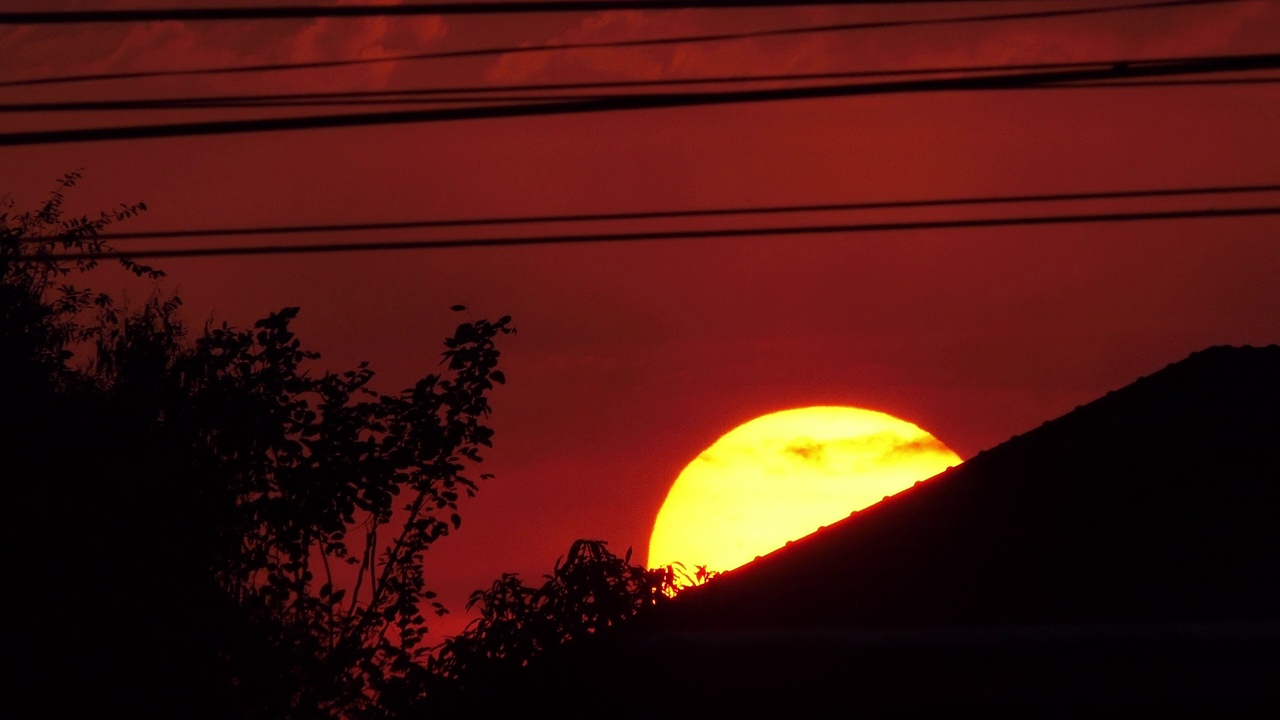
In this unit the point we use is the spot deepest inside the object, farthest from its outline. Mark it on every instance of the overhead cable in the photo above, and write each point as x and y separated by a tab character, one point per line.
644	101
343	100
610	44
673	82
683	235
702	212
308	12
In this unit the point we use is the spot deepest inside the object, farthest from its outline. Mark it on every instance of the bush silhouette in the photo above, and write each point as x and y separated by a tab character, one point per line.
233	532
225	533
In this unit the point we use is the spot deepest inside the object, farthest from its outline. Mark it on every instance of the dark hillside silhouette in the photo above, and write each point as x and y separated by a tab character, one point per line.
1124	554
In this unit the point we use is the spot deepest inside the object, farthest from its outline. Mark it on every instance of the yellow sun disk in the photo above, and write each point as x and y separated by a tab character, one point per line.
782	476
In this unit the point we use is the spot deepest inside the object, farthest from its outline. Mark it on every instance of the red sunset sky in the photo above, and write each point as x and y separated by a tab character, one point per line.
633	357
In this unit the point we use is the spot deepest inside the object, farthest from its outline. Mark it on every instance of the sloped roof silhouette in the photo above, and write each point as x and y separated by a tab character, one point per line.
1157	502
1125	554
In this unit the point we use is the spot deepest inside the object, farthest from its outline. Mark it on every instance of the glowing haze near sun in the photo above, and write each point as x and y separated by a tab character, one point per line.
784	475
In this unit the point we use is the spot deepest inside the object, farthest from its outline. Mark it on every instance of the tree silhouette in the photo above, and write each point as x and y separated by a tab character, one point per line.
590	593
232	530
527	637
224	533
42	311
314	474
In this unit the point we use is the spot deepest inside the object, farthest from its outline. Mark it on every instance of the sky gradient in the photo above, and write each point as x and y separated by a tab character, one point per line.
633	358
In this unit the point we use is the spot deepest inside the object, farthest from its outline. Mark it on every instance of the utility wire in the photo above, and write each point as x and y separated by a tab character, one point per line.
379	96
644	101
671	214
854	228
614	44
578	85
182	104
634	83
392	99
308	12
1216	82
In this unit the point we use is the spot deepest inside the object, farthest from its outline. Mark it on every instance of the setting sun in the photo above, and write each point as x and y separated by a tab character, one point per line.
784	475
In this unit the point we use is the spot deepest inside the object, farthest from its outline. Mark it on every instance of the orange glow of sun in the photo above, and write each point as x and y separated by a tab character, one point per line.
782	476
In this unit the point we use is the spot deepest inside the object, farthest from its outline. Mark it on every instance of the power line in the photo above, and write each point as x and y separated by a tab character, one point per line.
340	100
1216	82
561	86
615	44
671	214
267	102
855	228
377	96
641	101
620	84
309	12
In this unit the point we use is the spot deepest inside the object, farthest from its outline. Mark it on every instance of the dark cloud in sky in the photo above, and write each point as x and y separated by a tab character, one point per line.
810	451
875	445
